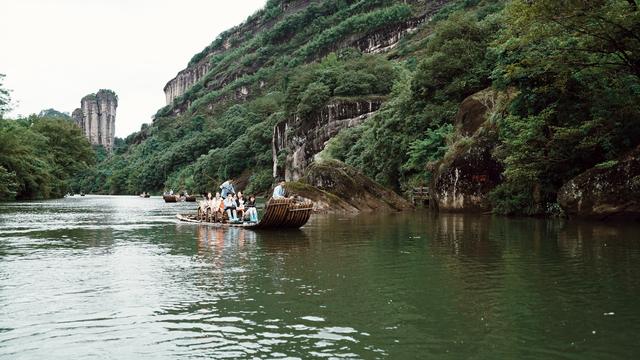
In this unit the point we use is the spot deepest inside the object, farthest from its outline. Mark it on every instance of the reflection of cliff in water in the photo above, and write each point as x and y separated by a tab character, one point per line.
491	238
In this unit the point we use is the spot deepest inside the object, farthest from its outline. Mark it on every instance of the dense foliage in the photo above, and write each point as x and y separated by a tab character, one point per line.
571	69
412	127
577	67
38	157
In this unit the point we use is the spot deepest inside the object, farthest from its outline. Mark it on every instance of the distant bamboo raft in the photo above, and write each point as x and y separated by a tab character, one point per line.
170	198
279	214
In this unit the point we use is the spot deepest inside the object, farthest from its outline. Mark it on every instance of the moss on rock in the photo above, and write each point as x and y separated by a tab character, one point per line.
605	191
337	187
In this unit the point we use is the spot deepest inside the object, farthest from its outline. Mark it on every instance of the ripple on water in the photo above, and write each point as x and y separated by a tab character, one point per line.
117	277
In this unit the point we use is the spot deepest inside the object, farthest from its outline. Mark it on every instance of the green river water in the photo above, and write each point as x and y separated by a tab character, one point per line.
119	278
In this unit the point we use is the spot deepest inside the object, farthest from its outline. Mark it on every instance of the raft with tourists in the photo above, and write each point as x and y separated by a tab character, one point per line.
285	213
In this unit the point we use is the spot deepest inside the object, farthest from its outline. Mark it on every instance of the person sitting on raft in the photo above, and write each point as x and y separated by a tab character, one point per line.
240	205
227	188
251	210
279	192
230	208
216	204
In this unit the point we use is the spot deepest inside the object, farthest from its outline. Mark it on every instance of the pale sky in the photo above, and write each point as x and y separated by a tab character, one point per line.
53	52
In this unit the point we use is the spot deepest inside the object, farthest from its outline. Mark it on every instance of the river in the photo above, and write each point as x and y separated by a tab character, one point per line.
118	277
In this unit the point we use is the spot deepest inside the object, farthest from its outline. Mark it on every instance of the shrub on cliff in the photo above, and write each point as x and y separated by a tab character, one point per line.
348	73
314	96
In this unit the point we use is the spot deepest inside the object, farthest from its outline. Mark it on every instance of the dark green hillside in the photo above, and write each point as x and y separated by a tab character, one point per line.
571	72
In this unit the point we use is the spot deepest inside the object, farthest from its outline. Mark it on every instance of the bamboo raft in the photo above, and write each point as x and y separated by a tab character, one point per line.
279	214
171	198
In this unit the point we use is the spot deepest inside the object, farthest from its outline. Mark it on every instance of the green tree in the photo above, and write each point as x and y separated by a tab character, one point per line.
5	98
575	66
40	155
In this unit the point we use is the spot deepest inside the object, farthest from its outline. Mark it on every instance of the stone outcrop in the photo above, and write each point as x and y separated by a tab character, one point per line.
97	117
300	139
468	172
386	38
611	190
337	187
185	79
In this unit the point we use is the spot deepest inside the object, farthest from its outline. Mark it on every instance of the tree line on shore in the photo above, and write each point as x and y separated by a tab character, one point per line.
39	155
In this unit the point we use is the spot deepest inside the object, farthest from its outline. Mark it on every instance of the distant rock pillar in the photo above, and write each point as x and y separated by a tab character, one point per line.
107	103
97	117
78	118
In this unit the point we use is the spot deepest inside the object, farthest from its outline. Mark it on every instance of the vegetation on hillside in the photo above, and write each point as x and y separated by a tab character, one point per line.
573	67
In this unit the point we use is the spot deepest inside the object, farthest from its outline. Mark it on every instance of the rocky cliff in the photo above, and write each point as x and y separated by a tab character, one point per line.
298	140
336	187
97	117
463	179
232	39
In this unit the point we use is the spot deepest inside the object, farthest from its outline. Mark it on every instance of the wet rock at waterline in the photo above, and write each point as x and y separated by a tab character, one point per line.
611	189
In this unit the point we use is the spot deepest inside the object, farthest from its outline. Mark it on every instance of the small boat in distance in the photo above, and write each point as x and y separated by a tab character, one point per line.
171	198
145	195
82	194
284	213
190	198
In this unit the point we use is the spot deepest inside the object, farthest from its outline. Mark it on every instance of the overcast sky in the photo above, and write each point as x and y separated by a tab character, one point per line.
53	52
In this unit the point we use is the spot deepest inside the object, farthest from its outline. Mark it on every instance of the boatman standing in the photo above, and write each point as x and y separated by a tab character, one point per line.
227	188
278	192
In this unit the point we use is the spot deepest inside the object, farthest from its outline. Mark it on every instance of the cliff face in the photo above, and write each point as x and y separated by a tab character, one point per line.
300	139
463	180
97	117
254	76
185	79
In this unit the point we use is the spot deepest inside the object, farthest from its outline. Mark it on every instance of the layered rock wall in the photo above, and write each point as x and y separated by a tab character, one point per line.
185	79
298	140
97	117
